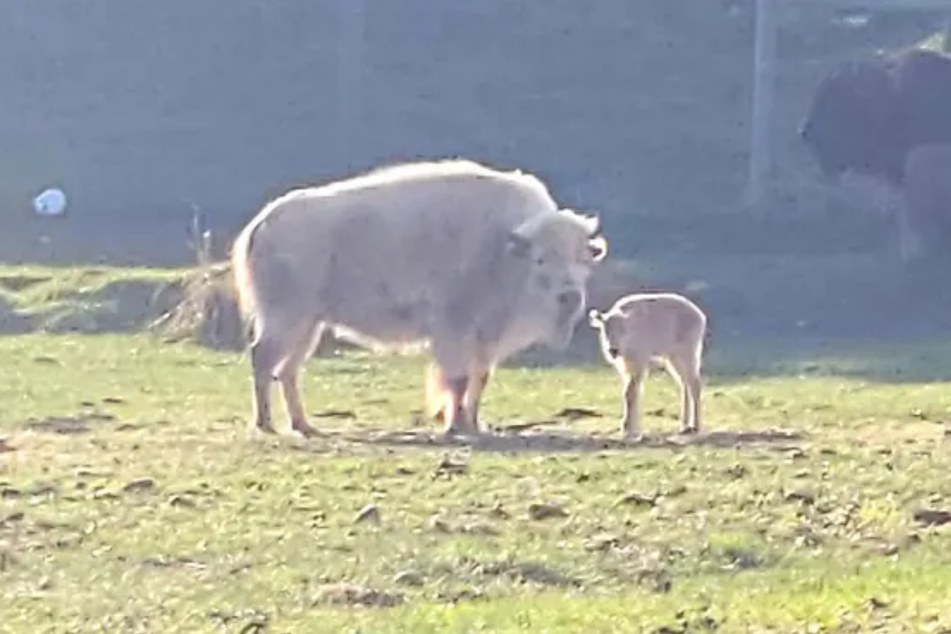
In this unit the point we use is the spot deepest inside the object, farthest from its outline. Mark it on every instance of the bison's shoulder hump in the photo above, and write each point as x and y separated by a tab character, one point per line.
440	169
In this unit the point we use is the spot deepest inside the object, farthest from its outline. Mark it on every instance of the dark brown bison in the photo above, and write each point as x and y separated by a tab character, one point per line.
867	117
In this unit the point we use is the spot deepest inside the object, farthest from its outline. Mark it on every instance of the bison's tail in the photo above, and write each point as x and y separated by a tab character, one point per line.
243	278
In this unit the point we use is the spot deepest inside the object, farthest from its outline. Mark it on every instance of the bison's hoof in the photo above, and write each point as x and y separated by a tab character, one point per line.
634	437
304	430
689	431
458	432
264	428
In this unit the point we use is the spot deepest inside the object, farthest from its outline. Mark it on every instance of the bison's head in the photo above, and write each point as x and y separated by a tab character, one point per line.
850	125
560	250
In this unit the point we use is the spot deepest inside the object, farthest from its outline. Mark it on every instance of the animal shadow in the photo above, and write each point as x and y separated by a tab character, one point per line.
516	441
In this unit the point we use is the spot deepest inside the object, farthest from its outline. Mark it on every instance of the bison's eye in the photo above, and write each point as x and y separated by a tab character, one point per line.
570	300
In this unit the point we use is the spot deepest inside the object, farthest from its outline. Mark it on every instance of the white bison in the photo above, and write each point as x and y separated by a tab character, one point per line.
645	327
476	263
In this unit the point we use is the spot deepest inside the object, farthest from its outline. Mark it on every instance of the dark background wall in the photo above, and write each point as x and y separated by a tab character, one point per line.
141	109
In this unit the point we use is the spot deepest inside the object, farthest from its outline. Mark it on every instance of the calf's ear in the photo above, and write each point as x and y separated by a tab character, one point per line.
518	245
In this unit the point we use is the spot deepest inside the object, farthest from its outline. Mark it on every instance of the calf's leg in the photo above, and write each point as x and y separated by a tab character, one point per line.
686	370
633	388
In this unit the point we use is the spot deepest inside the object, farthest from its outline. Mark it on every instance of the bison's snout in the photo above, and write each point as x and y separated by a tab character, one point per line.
570	302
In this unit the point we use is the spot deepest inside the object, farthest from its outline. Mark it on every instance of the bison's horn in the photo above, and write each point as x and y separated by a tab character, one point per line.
598	247
593	223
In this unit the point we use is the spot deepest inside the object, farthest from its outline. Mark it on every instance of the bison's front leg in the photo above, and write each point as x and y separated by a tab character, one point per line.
473	398
456	415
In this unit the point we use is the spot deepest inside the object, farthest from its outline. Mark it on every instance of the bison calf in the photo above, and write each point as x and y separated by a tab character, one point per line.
646	327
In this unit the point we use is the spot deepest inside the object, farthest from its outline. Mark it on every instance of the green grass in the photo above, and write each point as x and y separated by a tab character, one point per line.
33	287
232	529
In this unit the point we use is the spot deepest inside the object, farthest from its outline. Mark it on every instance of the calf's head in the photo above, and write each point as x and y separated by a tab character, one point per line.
610	331
560	250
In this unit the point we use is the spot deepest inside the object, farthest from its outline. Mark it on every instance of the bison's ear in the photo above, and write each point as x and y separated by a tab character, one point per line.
595	318
592	222
518	245
598	248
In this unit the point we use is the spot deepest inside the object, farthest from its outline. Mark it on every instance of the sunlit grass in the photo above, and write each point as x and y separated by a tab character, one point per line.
136	499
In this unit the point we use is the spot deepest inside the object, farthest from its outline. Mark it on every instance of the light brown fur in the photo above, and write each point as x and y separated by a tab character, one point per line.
645	327
473	262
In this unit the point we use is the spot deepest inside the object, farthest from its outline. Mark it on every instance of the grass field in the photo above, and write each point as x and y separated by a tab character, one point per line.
133	498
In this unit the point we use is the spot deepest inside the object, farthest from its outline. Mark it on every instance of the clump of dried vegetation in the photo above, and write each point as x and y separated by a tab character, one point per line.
206	310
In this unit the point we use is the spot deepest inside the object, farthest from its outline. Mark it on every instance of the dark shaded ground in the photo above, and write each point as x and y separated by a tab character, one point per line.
546	441
793	301
627	106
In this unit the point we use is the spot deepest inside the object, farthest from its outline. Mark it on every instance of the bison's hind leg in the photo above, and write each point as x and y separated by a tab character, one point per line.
278	351
265	354
302	347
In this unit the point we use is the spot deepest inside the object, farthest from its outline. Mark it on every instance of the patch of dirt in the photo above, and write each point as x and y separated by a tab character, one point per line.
161	561
555	441
352	594
932	517
526	572
79	424
540	511
741	558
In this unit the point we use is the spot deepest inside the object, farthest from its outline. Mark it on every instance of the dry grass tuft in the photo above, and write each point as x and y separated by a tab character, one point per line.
207	311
